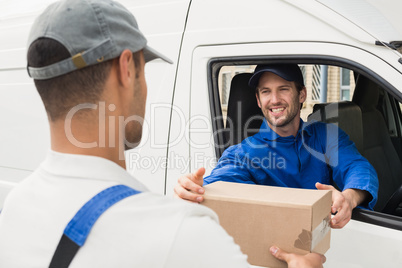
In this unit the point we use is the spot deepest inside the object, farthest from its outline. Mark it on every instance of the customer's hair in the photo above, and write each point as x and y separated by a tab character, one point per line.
60	94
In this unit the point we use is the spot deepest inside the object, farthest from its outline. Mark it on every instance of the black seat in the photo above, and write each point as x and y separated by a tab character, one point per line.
346	114
378	147
244	117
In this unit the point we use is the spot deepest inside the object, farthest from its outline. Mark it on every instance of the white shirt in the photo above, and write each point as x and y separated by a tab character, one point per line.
145	230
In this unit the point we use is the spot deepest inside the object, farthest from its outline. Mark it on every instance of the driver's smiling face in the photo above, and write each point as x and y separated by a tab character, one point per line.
279	101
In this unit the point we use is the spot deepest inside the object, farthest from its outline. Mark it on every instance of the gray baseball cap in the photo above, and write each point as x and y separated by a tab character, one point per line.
93	31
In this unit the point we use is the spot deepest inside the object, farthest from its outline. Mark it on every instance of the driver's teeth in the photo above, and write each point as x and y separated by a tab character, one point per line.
277	110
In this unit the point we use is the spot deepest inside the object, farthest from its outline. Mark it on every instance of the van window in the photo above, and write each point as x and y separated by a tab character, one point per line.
338	84
379	134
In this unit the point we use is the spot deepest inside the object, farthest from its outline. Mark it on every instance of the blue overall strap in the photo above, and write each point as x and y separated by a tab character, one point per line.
78	228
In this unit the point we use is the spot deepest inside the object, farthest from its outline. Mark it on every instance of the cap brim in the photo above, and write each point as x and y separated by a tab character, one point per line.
152	54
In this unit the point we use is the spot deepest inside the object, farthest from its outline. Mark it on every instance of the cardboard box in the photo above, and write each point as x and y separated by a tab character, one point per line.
258	217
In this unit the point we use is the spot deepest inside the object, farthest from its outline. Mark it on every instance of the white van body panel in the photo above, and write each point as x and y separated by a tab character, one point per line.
361	245
25	140
163	24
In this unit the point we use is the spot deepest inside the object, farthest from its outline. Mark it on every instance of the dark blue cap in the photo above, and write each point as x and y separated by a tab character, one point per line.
289	72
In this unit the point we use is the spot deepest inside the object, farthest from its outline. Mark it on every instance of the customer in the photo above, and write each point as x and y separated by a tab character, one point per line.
88	56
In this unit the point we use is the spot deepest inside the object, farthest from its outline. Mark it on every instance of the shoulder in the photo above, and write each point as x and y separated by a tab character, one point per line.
21	191
315	126
321	129
320	126
231	152
248	145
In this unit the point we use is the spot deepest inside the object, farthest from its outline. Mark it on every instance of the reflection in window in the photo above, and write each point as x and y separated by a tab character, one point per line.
226	79
316	84
345	84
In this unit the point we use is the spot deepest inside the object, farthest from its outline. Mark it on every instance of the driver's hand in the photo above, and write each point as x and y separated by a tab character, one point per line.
310	260
189	187
343	203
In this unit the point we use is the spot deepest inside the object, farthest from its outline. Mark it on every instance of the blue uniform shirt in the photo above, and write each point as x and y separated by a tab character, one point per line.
320	152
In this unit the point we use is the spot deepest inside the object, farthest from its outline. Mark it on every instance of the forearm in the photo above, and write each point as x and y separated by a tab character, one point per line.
355	196
353	172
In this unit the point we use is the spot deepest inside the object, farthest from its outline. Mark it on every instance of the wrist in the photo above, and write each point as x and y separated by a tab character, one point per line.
354	196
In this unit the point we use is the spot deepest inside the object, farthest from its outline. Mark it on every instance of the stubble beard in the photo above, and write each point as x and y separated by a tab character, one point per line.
289	117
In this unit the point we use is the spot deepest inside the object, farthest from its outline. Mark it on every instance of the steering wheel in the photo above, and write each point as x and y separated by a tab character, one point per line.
393	202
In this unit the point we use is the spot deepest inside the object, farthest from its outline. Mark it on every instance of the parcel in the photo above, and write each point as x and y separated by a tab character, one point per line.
258	217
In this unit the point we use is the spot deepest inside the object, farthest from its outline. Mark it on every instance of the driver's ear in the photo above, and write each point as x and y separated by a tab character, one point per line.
258	98
303	95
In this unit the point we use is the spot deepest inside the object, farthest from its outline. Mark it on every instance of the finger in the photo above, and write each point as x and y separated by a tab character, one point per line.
337	219
335	193
189	184
338	202
198	176
339	225
187	195
200	172
321	186
341	219
279	254
321	258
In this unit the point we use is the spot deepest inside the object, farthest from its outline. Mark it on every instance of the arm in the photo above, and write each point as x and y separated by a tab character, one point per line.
352	173
343	203
350	170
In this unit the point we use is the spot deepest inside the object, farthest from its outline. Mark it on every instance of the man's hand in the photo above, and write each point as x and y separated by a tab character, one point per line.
343	203
310	260
189	187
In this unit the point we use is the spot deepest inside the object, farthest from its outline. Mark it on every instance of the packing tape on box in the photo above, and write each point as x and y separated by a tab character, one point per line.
320	232
309	240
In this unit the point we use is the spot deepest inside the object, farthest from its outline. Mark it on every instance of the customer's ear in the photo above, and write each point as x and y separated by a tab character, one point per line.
126	69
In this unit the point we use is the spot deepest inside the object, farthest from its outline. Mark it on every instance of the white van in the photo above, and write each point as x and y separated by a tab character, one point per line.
347	49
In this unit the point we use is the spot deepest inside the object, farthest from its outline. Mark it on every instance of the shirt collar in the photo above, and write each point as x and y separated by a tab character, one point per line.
88	167
268	134
305	127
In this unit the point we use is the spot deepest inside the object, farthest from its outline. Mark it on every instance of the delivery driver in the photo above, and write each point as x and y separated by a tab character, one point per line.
306	155
80	206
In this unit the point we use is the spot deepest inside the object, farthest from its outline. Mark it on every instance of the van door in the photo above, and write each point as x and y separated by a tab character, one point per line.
363	242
